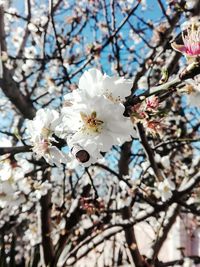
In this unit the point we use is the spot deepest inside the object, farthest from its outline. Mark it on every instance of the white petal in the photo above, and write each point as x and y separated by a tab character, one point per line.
91	82
118	87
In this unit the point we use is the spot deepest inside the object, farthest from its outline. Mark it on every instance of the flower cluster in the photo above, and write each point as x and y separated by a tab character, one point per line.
92	206
191	41
11	177
192	88
148	113
165	189
91	120
41	130
16	186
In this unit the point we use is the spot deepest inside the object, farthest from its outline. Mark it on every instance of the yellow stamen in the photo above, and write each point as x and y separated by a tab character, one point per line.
91	122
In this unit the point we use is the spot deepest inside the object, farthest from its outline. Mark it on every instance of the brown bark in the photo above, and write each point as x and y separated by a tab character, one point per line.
126	212
8	85
46	227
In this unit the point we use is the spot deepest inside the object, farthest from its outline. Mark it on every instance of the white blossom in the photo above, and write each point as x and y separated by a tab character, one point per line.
188	262
93	114
30	51
97	125
93	83
41	129
165	161
40	189
10	176
32	27
32	235
165	189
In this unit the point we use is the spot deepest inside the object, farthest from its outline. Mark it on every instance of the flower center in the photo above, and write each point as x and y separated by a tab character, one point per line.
166	189
41	148
45	132
91	122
